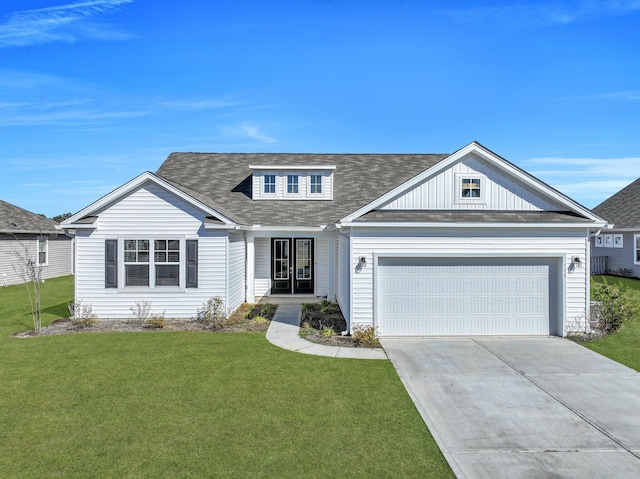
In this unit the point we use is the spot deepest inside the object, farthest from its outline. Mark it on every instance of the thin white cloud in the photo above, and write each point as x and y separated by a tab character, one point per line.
254	132
201	105
526	14
588	180
68	117
66	23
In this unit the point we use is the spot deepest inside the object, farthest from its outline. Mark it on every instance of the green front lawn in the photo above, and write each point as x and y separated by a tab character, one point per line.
624	345
191	404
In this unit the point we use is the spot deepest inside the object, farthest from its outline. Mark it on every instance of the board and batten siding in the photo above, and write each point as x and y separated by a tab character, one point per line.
619	258
453	243
150	212
59	256
237	254
441	191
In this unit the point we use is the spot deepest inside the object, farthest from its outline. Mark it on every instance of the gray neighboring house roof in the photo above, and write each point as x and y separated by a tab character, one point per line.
15	220
223	181
623	208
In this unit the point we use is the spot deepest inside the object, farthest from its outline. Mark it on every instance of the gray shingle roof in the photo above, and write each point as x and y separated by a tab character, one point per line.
623	208
476	216
14	219
223	182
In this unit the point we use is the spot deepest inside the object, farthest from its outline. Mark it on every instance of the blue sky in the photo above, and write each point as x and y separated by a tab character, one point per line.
95	92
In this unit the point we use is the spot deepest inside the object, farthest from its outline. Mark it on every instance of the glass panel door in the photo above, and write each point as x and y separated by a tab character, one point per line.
280	268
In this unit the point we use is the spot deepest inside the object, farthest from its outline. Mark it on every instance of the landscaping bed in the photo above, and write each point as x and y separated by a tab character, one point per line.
247	317
324	323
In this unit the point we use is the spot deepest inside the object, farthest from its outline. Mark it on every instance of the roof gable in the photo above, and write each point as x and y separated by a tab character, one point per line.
623	208
194	198
14	220
526	191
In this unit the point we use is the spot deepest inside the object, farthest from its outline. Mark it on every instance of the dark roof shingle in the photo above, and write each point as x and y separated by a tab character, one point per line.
14	219
223	182
623	208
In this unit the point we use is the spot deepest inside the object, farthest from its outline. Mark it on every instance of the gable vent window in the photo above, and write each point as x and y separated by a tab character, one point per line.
270	183
292	184
316	184
471	188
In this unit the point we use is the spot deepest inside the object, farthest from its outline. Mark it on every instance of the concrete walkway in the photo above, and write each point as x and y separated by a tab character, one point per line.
283	332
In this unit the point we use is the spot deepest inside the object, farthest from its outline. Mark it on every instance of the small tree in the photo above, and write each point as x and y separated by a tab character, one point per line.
29	270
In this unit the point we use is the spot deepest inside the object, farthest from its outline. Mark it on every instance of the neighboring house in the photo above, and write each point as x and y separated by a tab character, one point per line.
412	244
620	245
34	236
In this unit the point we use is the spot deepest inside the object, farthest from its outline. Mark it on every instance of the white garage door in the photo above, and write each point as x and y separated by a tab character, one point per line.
465	296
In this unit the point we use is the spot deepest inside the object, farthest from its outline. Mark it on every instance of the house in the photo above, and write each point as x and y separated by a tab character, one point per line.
35	236
620	245
412	244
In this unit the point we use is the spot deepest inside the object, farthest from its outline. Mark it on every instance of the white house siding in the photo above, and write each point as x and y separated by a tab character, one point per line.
59	262
236	293
343	276
441	191
619	259
149	212
322	266
262	281
481	242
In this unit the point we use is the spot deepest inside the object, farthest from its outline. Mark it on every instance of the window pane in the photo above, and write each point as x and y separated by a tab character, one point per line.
174	257
137	275
42	257
292	184
160	257
130	257
173	245
143	245
167	275
160	244
143	257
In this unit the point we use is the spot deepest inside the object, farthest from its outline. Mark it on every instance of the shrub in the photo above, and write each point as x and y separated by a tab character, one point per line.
156	321
212	314
327	332
260	319
141	310
365	337
268	310
615	308
81	315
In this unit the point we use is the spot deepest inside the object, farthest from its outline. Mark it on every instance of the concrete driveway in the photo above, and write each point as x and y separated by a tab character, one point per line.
523	407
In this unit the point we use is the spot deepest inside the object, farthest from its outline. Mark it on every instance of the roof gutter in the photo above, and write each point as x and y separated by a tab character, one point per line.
379	224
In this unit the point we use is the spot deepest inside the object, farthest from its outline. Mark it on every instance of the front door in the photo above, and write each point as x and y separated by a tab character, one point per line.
292	266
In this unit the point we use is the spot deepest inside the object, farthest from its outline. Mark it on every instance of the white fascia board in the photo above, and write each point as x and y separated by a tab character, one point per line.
292	167
492	158
470	225
131	186
295	229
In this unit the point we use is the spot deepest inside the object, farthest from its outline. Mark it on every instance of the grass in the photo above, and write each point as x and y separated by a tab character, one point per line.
191	404
624	345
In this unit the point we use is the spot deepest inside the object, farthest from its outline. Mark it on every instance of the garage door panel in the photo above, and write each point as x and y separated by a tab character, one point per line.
485	296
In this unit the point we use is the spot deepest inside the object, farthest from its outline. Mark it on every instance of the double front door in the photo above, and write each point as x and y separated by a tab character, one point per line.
291	265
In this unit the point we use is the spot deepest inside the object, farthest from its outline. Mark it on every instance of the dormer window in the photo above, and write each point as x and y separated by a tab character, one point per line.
269	184
316	184
292	184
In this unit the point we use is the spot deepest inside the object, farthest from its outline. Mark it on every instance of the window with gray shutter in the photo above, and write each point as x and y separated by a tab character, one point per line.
192	264
111	263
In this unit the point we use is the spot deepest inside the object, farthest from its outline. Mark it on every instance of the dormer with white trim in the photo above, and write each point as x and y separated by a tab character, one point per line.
292	182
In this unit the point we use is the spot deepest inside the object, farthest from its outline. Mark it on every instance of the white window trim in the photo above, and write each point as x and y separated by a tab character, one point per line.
152	271
635	249
264	182
461	200
285	177
46	251
322	185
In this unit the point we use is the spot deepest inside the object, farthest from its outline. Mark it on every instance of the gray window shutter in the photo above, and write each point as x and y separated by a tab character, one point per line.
192	263
111	263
